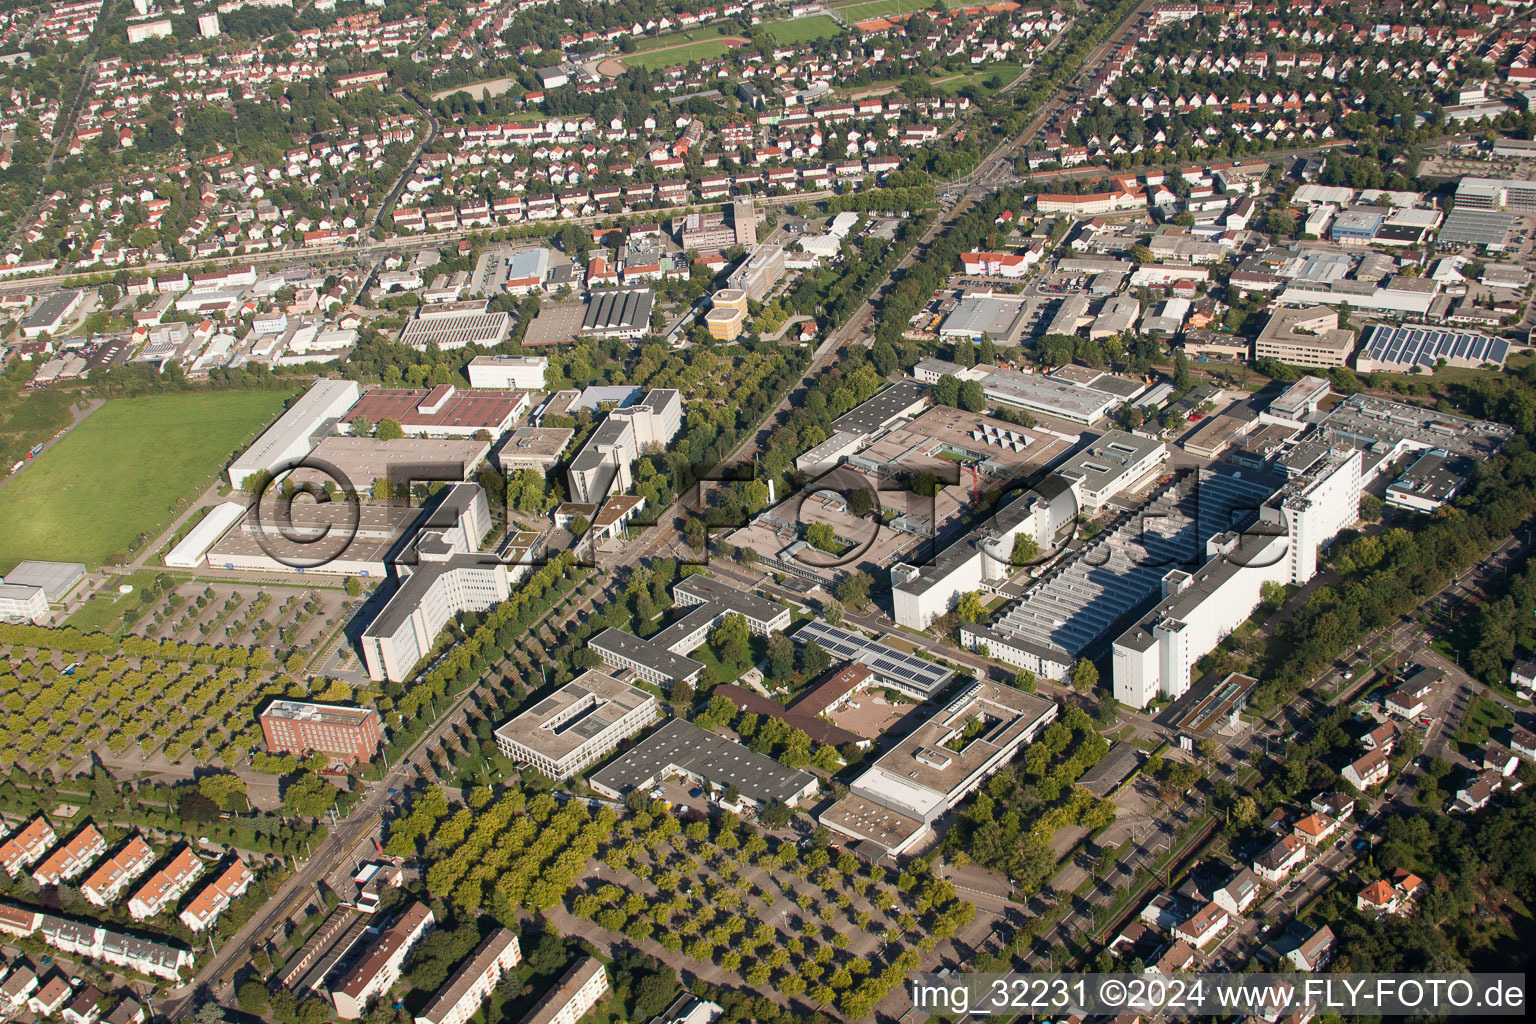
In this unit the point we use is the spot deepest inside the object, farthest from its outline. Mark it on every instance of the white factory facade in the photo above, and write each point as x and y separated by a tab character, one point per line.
1154	658
441	574
293	436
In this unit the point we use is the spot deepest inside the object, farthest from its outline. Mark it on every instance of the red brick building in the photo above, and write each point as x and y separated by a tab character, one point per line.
297	727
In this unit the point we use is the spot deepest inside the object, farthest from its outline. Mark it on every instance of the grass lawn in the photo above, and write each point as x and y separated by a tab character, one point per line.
121	474
803	30
693	35
103	613
656	59
1482	719
1003	71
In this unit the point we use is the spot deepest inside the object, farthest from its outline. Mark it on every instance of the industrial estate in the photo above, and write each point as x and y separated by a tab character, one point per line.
546	512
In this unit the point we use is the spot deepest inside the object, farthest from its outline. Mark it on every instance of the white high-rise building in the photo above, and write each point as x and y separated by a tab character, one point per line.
208	24
1155	657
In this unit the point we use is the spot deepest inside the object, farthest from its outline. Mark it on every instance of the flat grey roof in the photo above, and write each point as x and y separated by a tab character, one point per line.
55	578
1477	227
707	589
50	309
610	701
684	746
646	652
1367	420
1047	395
992	315
1107	458
887	405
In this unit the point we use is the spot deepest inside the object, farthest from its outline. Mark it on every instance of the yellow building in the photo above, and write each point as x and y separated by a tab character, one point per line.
726	322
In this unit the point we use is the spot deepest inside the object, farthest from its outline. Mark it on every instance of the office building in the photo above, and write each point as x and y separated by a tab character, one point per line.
532	448
509	373
577	725
379	969
894	803
302	728
577	991
72	858
603	464
1155	657
683	750
442	573
1496	194
213	899
1115	463
759	271
744	221
443	411
295	432
1305	337
162	889
662	659
22	604
470	985
922	593
109	880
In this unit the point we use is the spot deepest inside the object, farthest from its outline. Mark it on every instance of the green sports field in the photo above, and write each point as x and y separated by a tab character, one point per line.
867	10
803	30
654	59
124	472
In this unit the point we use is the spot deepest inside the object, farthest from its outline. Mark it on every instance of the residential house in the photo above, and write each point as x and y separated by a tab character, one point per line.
1370	770
1313	953
1280	859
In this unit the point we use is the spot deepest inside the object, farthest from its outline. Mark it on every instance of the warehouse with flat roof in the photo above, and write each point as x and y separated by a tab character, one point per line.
622	313
359	461
293	434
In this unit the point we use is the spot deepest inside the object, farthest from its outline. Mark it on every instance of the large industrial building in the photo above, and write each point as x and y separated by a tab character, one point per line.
294	434
442	573
894	804
451	325
662	659
1077	607
619	313
604	461
1154	658
357	462
1402	349
443	411
577	725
